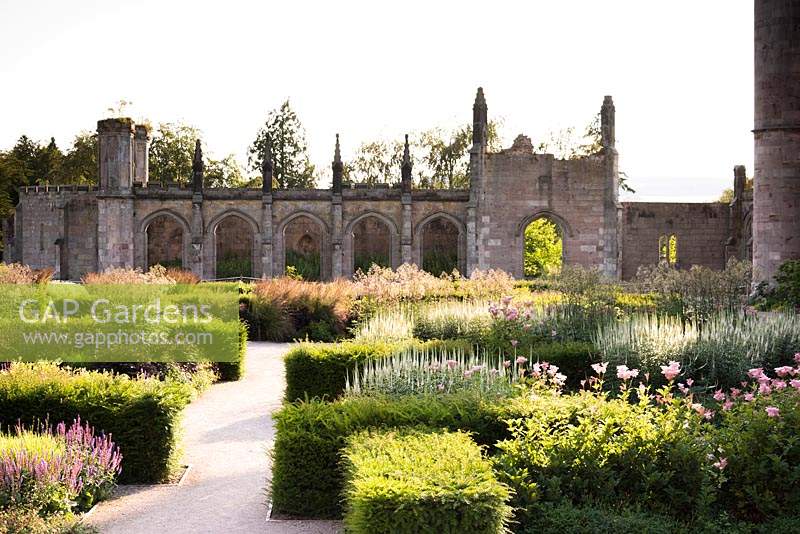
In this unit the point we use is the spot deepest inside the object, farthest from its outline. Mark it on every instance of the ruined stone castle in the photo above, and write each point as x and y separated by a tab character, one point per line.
129	222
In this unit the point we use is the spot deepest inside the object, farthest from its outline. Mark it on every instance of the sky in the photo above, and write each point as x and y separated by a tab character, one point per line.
680	73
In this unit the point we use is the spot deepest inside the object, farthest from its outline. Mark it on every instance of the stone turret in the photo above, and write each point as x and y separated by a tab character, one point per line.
267	168
607	119
480	123
776	188
115	204
198	168
405	169
116	155
338	168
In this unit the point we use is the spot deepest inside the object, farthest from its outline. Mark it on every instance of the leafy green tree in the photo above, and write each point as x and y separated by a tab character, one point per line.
543	248
727	194
440	158
171	152
291	167
79	165
567	144
376	162
225	172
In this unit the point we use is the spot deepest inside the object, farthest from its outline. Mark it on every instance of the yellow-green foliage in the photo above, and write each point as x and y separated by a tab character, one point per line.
421	482
143	415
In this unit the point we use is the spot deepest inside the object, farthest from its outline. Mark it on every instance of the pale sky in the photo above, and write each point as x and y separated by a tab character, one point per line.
680	72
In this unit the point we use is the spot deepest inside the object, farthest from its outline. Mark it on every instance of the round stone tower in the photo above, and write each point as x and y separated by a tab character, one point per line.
776	195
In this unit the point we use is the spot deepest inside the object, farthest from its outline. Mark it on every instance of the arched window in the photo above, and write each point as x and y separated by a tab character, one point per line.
303	247
544	248
372	244
439	252
165	242
234	247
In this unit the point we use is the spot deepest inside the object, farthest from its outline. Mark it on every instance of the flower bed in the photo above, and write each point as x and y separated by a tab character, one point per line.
143	415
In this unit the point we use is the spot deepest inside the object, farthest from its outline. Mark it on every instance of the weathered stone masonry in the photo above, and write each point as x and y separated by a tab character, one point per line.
76	230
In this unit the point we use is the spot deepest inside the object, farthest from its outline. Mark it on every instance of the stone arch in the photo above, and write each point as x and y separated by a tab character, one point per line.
314	235
234	244
562	226
386	245
454	242
148	246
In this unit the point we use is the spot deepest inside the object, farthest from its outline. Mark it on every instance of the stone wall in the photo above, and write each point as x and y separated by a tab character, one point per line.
520	186
702	231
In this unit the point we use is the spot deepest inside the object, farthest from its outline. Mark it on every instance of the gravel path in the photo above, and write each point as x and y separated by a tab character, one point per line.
226	433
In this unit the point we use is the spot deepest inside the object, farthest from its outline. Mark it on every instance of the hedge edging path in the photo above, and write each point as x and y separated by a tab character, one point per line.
226	433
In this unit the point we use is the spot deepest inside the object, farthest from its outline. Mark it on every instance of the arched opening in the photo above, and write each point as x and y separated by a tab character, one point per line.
165	242
439	252
302	237
543	252
234	247
372	244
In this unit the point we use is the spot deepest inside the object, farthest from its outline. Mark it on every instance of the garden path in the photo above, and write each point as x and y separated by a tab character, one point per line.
226	433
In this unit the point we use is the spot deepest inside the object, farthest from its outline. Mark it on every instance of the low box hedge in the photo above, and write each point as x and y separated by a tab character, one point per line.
421	482
231	371
142	415
321	369
307	478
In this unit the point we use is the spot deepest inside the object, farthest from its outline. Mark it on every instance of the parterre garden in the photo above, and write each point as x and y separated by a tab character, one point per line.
417	403
566	404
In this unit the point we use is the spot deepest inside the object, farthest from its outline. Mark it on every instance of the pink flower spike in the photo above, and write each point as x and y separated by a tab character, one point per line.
772	411
689	382
721	463
764	388
735	392
719	395
506	364
709	414
727	405
749	397
452	363
514	342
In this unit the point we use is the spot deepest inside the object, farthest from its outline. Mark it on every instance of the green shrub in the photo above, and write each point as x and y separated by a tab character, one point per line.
234	267
453	320
763	455
283	309
321	369
142	415
304	266
307	479
569	519
417	482
231	371
573	359
787	286
586	449
24	521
